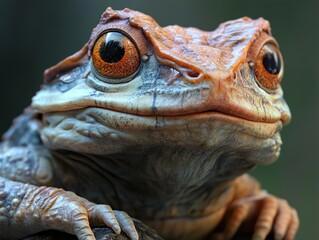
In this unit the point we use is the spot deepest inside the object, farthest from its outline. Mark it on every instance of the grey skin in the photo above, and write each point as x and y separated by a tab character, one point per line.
148	146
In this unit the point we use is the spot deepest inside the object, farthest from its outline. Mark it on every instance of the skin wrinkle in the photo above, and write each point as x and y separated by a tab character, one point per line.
153	107
95	166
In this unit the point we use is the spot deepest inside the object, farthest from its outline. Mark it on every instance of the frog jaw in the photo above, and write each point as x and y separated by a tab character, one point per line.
108	118
104	132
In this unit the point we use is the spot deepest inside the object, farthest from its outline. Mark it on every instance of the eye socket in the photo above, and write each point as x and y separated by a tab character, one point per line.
269	66
115	56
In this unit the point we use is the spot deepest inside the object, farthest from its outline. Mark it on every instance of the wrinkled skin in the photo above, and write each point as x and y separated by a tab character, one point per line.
164	130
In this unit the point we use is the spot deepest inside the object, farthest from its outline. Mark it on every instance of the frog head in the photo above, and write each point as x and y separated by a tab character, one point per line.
136	86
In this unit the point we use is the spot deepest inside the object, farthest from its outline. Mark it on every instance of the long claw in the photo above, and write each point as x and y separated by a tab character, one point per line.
294	225
283	219
103	214
82	228
126	224
238	215
266	218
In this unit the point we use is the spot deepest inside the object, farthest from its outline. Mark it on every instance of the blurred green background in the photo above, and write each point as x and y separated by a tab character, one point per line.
36	34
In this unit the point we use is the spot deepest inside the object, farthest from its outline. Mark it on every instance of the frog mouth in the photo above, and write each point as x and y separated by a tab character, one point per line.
198	102
132	122
116	111
49	105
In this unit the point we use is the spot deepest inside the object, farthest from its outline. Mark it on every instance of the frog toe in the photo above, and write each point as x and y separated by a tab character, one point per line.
104	215
127	224
294	225
277	215
287	222
82	228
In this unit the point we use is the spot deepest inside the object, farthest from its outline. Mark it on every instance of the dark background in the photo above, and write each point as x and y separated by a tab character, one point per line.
36	34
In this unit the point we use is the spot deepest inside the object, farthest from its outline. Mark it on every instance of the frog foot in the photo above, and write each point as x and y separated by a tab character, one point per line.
65	211
263	212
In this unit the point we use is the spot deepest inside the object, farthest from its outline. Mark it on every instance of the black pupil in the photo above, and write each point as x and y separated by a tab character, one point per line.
272	63
112	51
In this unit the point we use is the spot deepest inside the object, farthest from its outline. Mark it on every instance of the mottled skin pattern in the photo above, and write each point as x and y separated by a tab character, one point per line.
166	133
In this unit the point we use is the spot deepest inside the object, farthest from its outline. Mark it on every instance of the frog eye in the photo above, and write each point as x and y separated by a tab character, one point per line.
269	66
115	57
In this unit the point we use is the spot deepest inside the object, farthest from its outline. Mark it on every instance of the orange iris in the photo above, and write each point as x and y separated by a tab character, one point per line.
269	66
115	56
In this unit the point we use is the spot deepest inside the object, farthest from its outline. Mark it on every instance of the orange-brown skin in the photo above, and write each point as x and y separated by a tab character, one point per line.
168	132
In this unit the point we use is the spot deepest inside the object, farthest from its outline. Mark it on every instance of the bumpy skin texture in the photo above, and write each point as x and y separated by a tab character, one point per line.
168	142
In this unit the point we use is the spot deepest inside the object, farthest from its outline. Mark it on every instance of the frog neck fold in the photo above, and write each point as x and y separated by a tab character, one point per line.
177	181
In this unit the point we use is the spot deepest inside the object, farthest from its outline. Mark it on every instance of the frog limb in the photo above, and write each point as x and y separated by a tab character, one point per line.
29	209
28	205
53	206
23	157
263	211
27	164
277	214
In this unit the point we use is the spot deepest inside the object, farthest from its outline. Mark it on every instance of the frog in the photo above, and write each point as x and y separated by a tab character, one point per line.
161	124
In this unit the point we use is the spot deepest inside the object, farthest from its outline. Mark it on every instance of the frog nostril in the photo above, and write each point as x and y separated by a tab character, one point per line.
193	74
